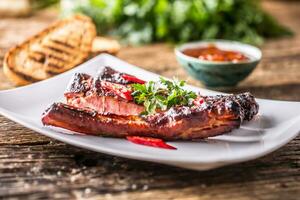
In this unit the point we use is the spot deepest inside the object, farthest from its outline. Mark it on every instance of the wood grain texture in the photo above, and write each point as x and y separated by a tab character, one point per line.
33	166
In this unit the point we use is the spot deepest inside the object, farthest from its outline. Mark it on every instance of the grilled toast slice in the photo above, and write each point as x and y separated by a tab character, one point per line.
56	49
105	45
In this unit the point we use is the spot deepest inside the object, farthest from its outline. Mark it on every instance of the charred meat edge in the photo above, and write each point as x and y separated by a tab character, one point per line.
216	117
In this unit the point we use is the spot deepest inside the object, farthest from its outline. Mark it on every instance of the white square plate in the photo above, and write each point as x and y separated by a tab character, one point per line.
278	122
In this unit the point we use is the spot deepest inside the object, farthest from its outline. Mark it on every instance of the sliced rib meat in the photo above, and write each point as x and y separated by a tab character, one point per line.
105	95
104	106
213	117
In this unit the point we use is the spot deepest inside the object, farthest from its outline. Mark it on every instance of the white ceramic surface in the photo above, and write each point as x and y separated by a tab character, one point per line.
278	122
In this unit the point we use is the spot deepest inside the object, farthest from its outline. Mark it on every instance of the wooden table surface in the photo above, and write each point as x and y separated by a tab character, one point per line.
36	167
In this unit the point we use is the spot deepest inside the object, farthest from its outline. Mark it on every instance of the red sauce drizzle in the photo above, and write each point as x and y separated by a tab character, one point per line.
212	53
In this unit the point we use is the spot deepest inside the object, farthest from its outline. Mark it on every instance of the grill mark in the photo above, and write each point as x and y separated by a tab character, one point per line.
52	73
39	60
58	58
44	58
55	66
57	50
24	76
63	44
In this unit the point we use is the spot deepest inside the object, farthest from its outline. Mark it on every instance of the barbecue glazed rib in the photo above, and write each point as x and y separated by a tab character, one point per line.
92	108
86	92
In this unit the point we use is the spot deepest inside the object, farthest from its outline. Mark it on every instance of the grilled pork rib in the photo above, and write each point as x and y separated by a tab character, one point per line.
86	93
92	108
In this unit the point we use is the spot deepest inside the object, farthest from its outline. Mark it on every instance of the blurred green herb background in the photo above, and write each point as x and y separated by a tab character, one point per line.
146	21
40	4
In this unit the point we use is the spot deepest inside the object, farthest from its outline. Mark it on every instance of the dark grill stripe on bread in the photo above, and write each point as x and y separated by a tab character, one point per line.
63	44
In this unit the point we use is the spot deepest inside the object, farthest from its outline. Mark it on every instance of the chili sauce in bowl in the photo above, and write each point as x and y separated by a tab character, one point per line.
218	63
213	53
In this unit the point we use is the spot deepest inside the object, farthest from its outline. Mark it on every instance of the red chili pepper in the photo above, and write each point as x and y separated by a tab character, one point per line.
126	95
133	79
149	141
118	89
198	101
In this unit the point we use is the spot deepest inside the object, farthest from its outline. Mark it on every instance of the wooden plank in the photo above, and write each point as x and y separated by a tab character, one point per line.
54	166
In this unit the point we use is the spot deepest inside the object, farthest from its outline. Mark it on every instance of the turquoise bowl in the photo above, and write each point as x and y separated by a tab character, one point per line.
219	74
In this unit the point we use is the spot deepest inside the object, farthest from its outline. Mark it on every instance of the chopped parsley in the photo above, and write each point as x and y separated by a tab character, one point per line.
162	94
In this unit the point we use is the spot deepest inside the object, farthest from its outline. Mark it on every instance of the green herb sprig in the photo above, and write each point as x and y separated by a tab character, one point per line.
162	95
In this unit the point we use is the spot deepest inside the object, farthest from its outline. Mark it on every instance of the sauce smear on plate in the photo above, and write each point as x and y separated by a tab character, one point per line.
212	53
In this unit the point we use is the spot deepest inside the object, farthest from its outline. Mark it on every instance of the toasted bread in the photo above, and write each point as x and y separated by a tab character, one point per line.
56	49
105	45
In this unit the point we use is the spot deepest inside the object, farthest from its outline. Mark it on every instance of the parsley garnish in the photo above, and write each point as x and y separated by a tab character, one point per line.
162	94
